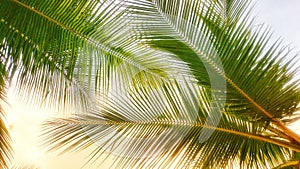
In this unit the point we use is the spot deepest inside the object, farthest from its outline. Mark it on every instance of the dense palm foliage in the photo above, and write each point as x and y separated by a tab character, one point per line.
158	83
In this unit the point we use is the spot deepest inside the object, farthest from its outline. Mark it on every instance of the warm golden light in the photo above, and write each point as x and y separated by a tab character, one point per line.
24	124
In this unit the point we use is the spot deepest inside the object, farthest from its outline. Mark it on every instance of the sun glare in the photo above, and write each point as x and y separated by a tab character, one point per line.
24	125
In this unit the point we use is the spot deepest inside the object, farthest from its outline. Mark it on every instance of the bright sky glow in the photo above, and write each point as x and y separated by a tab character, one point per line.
24	121
283	17
24	124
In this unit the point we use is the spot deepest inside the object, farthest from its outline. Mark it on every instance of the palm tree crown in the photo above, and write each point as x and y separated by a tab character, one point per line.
159	83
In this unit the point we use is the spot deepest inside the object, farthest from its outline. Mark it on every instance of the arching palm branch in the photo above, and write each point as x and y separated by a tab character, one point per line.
44	49
191	83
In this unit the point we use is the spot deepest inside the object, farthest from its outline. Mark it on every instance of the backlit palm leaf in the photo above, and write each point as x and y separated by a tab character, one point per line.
161	70
216	40
5	140
83	39
248	65
258	81
48	43
164	128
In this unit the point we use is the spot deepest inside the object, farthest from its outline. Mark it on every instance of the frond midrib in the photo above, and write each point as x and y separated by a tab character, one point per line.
282	143
288	164
89	40
292	135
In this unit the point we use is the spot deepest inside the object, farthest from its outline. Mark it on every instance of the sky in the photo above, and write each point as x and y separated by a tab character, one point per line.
282	16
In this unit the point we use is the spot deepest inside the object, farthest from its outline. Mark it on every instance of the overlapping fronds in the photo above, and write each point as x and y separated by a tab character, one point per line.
233	50
46	44
85	39
216	40
259	82
192	83
164	129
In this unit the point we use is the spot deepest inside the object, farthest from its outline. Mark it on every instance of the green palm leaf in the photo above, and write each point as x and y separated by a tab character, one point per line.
258	82
213	44
130	57
84	39
62	40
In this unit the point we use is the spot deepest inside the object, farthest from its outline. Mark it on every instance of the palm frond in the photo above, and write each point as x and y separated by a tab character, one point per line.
5	140
288	165
165	128
259	83
6	153
6	149
140	50
86	39
50	91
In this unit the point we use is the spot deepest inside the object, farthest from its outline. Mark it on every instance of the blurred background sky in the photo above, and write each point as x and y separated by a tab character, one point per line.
282	16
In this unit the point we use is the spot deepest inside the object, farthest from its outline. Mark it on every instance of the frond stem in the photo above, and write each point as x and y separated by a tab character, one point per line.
282	143
292	136
288	164
91	41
